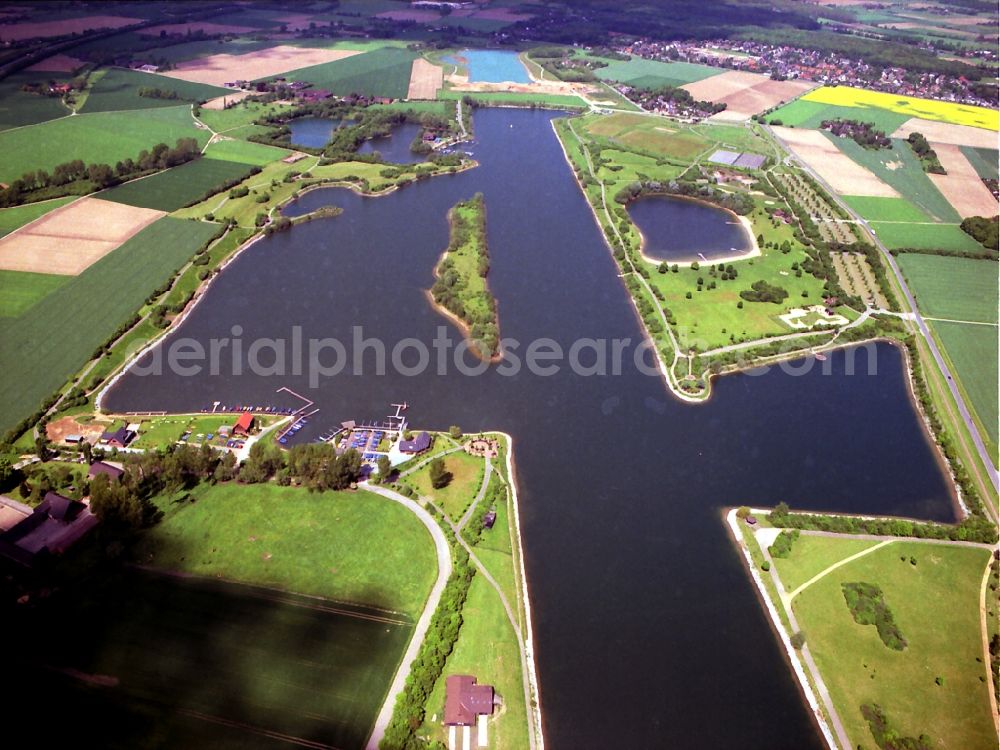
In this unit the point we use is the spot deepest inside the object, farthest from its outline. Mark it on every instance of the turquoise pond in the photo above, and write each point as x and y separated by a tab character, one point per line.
492	66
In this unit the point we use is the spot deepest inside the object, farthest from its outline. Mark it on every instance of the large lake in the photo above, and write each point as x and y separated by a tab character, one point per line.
679	229
648	632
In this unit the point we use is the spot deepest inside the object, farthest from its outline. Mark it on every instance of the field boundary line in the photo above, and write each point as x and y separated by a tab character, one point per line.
966	322
269	733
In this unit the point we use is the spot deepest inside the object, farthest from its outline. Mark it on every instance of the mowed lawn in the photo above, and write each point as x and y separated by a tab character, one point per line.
178	187
199	663
20	290
935	605
926	237
245	152
467	477
349	546
40	349
102	137
811	555
955	288
118	89
383	72
655	135
16	217
974	352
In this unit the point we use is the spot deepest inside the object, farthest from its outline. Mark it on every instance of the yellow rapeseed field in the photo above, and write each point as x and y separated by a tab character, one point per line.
927	109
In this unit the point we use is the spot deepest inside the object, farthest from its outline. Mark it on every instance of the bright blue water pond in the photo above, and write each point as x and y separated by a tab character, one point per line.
492	66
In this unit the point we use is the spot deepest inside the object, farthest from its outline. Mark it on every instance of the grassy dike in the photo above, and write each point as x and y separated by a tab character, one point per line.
461	291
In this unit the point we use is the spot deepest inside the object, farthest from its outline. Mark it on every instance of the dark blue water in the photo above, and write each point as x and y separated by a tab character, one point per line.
647	631
396	147
312	132
677	229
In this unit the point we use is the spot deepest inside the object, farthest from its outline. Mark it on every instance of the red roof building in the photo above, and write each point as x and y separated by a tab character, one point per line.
244	424
465	700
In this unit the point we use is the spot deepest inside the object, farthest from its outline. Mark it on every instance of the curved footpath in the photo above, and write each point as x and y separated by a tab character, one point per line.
420	630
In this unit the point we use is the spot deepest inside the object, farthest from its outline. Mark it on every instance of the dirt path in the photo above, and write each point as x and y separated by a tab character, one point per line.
984	629
487	470
787	598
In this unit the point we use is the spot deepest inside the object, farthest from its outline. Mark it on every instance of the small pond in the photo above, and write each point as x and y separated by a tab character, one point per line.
491	66
396	147
313	132
684	230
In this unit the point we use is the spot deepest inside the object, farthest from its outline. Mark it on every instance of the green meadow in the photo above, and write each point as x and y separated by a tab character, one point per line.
19	108
19	290
382	72
653	73
974	352
885	209
926	237
173	188
85	137
245	152
118	89
955	288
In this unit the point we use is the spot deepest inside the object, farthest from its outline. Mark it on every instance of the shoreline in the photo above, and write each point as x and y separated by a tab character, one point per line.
791	654
534	706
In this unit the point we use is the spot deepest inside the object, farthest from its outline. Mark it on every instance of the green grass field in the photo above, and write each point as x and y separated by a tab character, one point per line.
974	352
209	664
245	152
85	137
811	555
983	160
653	73
383	72
16	217
926	237
244	113
19	108
806	114
20	290
885	209
935	605
118	89
42	348
907	175
349	546
174	188
955	288
656	136
467	476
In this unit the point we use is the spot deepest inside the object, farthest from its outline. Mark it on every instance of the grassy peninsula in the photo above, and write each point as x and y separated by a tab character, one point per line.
461	286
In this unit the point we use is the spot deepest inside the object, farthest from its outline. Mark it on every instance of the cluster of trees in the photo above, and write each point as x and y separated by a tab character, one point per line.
739	203
983	230
439	475
409	711
928	156
560	62
316	465
865	134
660	96
75	177
761	291
886	737
782	546
972	529
868	607
152	92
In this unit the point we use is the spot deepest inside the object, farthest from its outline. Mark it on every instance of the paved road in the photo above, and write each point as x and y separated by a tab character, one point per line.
420	630
963	410
482	491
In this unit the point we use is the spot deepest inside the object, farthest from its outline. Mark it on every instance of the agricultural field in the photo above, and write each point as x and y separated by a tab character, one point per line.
118	89
467	476
869	106
874	208
85	137
210	664
383	72
173	188
900	168
19	290
953	288
745	94
19	108
244	152
933	600
40	349
838	170
973	351
653	73
289	538
220	69
244	113
926	237
983	160
16	217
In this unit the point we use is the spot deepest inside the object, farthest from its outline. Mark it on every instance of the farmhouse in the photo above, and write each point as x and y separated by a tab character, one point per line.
52	528
416	446
109	470
244	424
466	704
120	438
